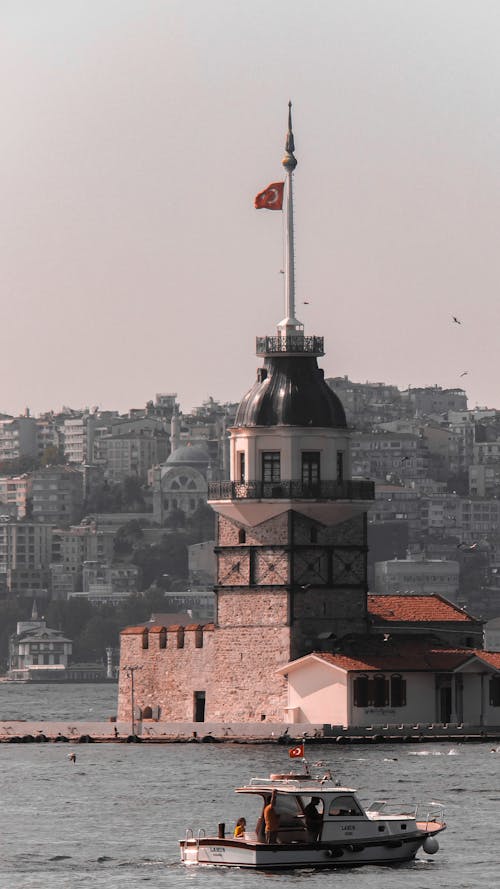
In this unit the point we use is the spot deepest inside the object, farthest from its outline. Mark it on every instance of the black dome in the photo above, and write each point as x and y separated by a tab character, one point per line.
290	391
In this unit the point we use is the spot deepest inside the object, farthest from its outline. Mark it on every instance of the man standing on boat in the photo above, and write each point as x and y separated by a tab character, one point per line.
313	819
271	820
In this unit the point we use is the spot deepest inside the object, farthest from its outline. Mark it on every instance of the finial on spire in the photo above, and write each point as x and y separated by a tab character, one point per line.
289	161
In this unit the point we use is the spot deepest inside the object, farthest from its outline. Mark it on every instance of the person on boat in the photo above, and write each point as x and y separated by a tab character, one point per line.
239	830
271	819
313	819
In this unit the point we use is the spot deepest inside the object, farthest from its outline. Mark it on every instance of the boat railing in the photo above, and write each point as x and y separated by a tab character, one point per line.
190	837
430	813
389	810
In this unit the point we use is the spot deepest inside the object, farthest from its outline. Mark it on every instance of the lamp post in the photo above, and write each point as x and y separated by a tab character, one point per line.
130	671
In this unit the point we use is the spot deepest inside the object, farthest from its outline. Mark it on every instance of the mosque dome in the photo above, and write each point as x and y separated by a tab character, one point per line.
290	391
189	454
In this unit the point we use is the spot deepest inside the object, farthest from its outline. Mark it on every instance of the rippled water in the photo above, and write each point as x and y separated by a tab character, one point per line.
113	819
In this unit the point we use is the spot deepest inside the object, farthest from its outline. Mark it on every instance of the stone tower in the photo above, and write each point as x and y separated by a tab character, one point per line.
291	523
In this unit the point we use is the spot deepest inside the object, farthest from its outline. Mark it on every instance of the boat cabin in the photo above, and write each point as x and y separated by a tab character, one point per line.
310	812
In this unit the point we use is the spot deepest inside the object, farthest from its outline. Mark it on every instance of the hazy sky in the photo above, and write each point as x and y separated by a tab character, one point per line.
135	134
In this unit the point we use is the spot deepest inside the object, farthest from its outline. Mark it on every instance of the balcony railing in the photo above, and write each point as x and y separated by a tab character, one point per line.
292	490
297	344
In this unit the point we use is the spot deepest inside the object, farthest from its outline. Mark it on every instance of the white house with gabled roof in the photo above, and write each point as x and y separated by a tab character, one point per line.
403	681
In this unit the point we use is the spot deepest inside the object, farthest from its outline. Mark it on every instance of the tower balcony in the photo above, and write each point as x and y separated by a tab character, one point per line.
293	344
357	489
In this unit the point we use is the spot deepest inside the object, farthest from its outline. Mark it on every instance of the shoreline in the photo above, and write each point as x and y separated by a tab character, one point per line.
80	732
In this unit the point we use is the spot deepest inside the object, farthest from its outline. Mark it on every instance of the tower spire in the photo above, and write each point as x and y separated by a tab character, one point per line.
289	326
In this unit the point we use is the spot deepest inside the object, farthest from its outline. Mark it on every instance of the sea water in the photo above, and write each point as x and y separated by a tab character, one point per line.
113	818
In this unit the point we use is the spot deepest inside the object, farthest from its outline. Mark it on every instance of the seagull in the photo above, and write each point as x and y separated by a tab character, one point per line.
456	319
305	302
464	374
72	757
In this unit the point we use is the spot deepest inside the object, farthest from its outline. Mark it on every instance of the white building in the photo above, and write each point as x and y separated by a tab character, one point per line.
412	684
37	652
418	575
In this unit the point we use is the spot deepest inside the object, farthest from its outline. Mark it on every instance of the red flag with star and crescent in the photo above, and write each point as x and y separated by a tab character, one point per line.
296	752
271	198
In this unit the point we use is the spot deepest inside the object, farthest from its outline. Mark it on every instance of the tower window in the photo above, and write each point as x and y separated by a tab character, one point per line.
242	536
271	466
310	468
340	466
241	466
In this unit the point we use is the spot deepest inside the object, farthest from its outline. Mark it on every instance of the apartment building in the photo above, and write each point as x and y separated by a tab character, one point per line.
18	438
14	491
57	493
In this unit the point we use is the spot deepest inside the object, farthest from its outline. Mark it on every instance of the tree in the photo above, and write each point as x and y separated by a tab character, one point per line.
176	519
52	456
127	537
201	523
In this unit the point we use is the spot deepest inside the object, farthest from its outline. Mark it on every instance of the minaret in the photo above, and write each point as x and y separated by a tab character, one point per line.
291	523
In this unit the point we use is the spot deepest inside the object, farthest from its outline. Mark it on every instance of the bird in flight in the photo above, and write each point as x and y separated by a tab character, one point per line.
456	320
305	302
464	374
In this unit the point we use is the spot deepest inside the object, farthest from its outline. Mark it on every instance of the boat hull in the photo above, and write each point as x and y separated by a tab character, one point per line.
234	853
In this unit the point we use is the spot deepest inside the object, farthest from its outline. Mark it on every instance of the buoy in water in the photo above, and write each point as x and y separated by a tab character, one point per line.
430	845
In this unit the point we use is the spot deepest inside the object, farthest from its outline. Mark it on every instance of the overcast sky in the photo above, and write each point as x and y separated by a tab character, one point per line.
135	134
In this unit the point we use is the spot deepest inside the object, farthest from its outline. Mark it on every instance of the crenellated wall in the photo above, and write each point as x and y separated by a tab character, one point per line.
174	663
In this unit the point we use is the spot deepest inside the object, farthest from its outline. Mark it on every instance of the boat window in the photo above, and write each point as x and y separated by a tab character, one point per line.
288	808
344	806
318	802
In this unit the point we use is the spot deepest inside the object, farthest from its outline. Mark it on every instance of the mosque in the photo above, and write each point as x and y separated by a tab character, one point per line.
296	636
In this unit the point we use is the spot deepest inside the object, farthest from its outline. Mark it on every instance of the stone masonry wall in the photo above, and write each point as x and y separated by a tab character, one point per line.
252	609
273	530
168	677
247	688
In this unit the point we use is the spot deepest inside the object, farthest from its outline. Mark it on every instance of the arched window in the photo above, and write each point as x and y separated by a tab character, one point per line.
147	713
495	691
242	536
380	689
361	691
398	690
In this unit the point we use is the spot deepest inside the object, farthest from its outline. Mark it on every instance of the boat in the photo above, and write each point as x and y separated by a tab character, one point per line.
343	833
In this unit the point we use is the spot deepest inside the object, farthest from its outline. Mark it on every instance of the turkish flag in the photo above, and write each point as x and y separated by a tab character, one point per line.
296	752
271	198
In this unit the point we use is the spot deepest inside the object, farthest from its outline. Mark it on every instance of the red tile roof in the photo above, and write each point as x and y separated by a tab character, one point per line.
492	658
416	609
416	656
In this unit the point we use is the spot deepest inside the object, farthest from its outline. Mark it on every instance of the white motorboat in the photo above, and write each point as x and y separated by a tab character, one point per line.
344	833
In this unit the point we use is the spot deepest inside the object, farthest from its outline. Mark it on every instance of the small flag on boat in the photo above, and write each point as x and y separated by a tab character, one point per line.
271	198
296	752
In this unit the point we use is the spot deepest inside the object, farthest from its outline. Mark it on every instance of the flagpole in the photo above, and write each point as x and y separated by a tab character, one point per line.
289	325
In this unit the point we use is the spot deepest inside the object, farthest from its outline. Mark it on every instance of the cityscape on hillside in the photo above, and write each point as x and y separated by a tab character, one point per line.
103	508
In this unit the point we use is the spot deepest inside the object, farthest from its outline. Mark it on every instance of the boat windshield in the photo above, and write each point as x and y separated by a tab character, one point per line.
344	806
